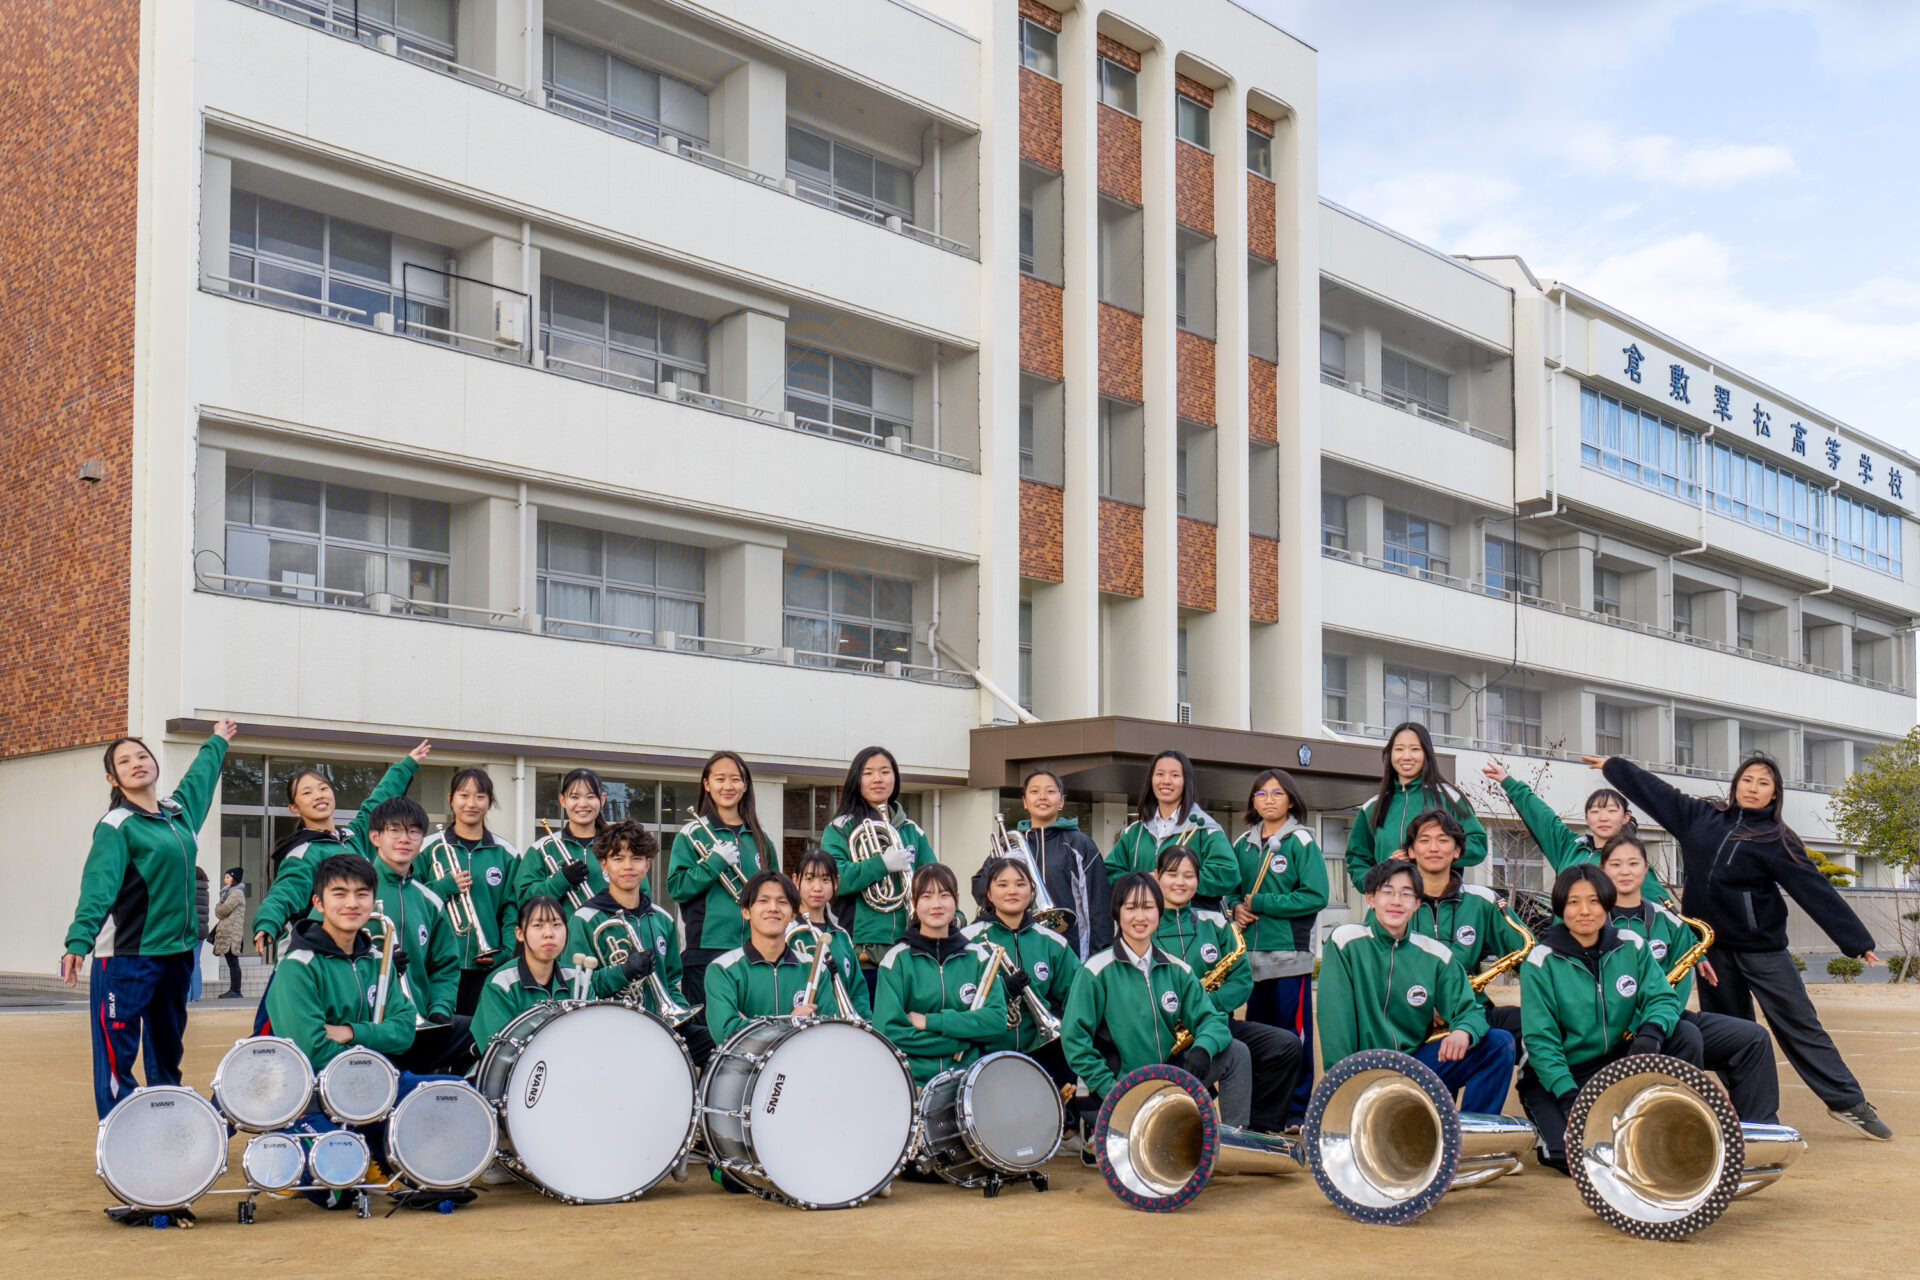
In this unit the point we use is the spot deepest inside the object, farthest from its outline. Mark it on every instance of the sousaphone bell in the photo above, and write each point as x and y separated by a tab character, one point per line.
1159	1141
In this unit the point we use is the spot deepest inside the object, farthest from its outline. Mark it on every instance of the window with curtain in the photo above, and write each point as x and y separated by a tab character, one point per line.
612	586
304	535
604	337
1513	716
1416	545
1333	688
617	95
835	617
825	388
1417	695
845	177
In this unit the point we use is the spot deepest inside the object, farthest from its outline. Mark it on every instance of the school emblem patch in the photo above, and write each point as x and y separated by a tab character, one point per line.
1209	952
1416	995
1170	1001
1465	935
1277	863
967	992
373	992
660	944
494	877
799	998
1659	949
1040	970
1625	984
423	935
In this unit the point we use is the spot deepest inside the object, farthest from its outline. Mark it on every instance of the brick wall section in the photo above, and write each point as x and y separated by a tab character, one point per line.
1040	13
1042	517
1040	127
1194	360
1042	349
1198	564
1260	202
1111	48
1193	187
1187	87
1119	155
69	133
1122	548
1263	579
1120	353
1263	400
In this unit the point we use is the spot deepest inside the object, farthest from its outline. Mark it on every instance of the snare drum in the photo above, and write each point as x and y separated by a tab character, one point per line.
996	1119
273	1161
596	1100
264	1083
357	1087
811	1112
442	1135
161	1147
338	1159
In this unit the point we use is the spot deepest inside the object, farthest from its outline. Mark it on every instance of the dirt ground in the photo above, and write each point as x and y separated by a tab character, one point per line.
1836	1207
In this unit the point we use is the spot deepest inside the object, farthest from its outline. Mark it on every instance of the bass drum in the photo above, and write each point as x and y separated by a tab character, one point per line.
161	1148
997	1119
596	1100
442	1135
812	1112
263	1083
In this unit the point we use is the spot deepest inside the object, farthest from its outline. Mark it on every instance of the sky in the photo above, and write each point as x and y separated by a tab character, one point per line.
1741	175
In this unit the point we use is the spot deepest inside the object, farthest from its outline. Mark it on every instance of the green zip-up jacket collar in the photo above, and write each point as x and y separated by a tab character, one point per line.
743	985
1668	938
873	929
433	949
1048	960
493	863
590	932
709	911
1202	937
1470	922
290	896
1571	1014
1293	892
510	992
937	978
561	845
137	890
1558	842
1138	849
1381	992
318	985
1134	1013
1376	836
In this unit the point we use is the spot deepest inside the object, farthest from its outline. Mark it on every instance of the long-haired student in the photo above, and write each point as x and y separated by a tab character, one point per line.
871	792
480	865
1168	815
1410	784
1607	816
561	862
713	858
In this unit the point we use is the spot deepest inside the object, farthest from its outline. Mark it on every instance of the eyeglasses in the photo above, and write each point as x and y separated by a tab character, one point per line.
1398	895
1271	793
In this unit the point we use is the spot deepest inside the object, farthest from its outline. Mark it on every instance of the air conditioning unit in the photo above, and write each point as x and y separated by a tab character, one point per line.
1184	713
510	320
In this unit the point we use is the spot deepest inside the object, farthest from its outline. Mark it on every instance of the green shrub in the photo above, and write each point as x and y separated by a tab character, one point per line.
1899	966
1845	968
1799	961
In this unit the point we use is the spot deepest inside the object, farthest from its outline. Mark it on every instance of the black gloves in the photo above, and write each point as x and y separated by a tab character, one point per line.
575	873
637	966
1196	1062
399	960
1646	1040
1565	1102
440	1019
1016	983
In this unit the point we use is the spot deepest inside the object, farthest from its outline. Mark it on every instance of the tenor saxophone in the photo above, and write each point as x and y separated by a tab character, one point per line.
1210	982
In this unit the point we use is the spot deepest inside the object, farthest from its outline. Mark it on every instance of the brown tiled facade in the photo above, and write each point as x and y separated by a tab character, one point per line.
69	135
1122	548
1263	400
1263	578
1042	518
1040	128
1193	187
1194	356
1261	226
1119	155
1040	13
1198	564
1117	52
1120	354
1041	347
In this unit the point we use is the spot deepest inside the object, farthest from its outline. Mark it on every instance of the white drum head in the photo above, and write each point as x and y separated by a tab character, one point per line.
358	1087
442	1135
161	1148
1014	1109
600	1104
338	1159
840	1126
263	1083
273	1161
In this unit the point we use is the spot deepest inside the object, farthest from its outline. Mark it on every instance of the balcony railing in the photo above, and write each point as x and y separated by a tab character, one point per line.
1480	586
1408	405
398	44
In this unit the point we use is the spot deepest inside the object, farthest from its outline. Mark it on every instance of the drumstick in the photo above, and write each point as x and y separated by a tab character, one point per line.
583	965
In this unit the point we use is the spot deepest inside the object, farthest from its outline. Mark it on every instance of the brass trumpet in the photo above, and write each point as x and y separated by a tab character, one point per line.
616	938
461	913
871	839
728	875
555	855
1012	844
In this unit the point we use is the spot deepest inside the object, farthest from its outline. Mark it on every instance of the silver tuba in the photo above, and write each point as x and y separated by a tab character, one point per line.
1012	844
1159	1141
1657	1151
1385	1139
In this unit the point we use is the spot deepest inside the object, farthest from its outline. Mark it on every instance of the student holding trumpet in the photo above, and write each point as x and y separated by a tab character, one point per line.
713	859
472	870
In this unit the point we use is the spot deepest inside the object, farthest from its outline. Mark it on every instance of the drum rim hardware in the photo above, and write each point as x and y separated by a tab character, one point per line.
396	1160
996	1174
177	1092
224	1104
357	1052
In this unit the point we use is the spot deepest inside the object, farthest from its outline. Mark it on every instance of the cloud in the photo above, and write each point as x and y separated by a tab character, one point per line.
1657	158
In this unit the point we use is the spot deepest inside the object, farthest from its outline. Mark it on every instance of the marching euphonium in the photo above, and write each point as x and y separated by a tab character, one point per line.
461	913
1012	844
871	839
623	942
1159	1141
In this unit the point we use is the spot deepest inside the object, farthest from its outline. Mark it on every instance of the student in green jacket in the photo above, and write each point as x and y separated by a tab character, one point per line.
311	798
481	865
561	864
929	980
532	975
1282	890
818	883
1043	960
1207	940
1607	816
137	914
397	829
1129	1003
872	791
630	934
1467	919
1168	815
1410	784
766	976
1589	993
1381	985
713	858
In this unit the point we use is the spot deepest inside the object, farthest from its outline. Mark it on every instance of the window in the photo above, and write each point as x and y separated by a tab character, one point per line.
1026	438
1119	87
1640	447
1684	731
1333	688
1610	725
1192	122
1026	654
1041	226
1413	385
1333	354
1122	255
1333	522
1180	665
299	258
1682	612
1193	291
1417	695
421	24
1513	716
1606	592
846	178
1857	658
1749	741
1512	569
1743	628
1807	773
1866	535
1260	154
305	535
612	586
1026	232
1123	454
614	94
1039	48
1180	476
632	345
1416	545
823	388
853	620
1334	833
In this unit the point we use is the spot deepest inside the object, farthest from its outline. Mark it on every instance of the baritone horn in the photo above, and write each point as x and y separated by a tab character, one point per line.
616	938
1657	1151
871	839
1012	844
461	913
1385	1139
1159	1141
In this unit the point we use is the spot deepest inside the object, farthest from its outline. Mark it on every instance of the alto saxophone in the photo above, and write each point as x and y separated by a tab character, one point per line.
1695	953
1210	982
1505	964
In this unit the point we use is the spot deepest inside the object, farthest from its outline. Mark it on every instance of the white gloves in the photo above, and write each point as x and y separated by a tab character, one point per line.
729	852
898	859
